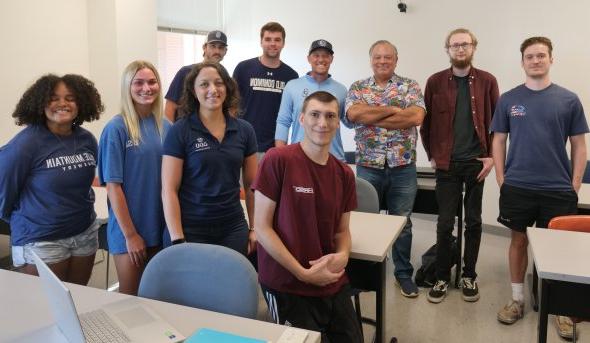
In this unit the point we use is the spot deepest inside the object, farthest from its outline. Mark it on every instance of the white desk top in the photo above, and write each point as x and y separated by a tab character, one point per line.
561	255
25	309
584	196
373	234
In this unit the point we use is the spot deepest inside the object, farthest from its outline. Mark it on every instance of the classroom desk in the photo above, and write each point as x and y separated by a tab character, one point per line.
561	259
25	312
372	237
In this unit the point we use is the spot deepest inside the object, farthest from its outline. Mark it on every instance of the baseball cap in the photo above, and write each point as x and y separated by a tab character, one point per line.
321	44
217	36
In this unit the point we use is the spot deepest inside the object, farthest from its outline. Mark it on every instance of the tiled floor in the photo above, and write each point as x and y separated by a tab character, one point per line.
453	320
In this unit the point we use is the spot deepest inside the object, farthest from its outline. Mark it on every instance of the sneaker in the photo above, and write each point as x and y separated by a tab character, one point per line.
408	288
565	327
470	291
512	312
438	292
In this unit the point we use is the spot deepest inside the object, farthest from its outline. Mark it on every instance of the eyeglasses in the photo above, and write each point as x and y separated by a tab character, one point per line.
464	46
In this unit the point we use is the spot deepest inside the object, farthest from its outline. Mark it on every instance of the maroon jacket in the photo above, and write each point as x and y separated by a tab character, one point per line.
440	96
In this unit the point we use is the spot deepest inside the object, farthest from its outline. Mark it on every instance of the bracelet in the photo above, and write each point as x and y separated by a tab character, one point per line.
251	229
178	241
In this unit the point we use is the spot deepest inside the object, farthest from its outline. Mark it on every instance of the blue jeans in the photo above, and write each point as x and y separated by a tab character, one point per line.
396	188
233	235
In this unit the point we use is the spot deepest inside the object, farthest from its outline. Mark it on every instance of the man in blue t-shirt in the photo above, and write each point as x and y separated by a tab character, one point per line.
261	81
214	49
537	181
320	58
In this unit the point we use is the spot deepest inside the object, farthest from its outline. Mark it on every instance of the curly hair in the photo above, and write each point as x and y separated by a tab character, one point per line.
30	109
189	102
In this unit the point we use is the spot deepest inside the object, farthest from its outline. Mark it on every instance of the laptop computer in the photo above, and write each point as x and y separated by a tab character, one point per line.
123	321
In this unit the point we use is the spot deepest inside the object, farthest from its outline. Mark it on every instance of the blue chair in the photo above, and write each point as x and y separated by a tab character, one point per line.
205	276
586	177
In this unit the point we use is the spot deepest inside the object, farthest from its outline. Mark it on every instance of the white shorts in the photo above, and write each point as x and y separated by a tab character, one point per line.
82	244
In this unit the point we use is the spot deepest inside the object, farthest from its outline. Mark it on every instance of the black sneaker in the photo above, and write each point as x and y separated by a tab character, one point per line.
470	291
438	291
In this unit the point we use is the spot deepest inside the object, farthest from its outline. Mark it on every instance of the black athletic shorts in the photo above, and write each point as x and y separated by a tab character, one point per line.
334	316
521	208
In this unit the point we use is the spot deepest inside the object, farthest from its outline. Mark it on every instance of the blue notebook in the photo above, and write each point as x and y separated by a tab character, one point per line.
213	336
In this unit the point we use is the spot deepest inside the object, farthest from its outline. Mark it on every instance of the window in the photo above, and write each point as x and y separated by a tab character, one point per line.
177	49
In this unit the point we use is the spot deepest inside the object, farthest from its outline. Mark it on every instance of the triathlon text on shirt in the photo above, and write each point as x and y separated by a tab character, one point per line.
71	162
267	85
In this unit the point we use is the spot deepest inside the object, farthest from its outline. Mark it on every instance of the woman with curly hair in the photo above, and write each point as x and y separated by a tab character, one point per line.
46	177
204	153
130	163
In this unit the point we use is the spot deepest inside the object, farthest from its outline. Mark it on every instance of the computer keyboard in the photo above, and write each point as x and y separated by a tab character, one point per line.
98	328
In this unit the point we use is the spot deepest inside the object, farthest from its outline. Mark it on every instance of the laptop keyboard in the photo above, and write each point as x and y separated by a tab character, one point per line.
98	327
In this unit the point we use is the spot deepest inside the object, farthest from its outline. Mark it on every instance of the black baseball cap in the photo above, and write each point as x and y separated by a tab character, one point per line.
217	36
321	44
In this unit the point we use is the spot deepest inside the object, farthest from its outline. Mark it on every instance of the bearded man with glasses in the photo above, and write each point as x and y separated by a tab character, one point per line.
460	102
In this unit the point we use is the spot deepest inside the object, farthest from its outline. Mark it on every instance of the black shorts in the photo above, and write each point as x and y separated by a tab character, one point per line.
333	316
521	208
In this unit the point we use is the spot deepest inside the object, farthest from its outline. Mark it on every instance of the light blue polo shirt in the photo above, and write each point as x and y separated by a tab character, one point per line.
293	95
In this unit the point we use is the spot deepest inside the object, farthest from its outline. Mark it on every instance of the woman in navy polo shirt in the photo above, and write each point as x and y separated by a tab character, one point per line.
46	176
204	152
129	163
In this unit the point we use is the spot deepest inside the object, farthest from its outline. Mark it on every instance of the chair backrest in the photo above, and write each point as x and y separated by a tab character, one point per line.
580	223
366	196
204	276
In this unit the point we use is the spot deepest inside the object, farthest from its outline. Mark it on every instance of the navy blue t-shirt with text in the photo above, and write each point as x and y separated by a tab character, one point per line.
261	89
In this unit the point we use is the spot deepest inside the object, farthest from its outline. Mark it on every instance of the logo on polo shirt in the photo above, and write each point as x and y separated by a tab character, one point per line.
517	111
305	93
130	144
306	190
201	144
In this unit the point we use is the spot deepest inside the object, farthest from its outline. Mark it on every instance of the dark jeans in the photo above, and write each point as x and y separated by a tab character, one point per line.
396	188
232	235
449	188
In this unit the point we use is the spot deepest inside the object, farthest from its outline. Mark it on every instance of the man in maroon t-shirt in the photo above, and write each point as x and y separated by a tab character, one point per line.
303	199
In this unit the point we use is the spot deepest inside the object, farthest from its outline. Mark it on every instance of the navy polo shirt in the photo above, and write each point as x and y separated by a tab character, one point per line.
209	191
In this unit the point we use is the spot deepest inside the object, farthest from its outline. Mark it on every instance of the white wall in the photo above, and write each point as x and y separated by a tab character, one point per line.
38	37
419	36
94	38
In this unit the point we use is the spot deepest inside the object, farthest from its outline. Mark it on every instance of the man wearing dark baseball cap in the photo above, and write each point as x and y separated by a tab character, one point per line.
214	49
320	58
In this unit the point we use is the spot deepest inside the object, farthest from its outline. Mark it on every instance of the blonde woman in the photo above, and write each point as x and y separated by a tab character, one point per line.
129	163
203	155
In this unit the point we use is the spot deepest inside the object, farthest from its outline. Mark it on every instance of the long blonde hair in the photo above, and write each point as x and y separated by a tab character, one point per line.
128	112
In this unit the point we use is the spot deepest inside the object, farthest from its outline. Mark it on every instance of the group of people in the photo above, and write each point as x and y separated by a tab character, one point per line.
173	172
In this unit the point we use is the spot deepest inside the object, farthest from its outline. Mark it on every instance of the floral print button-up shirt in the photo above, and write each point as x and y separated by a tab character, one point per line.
376	145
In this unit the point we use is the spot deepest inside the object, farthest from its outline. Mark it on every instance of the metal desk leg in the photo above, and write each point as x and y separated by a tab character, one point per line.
381	305
543	312
535	289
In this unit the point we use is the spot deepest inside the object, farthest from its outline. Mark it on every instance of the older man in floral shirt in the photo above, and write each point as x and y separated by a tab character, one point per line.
386	108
